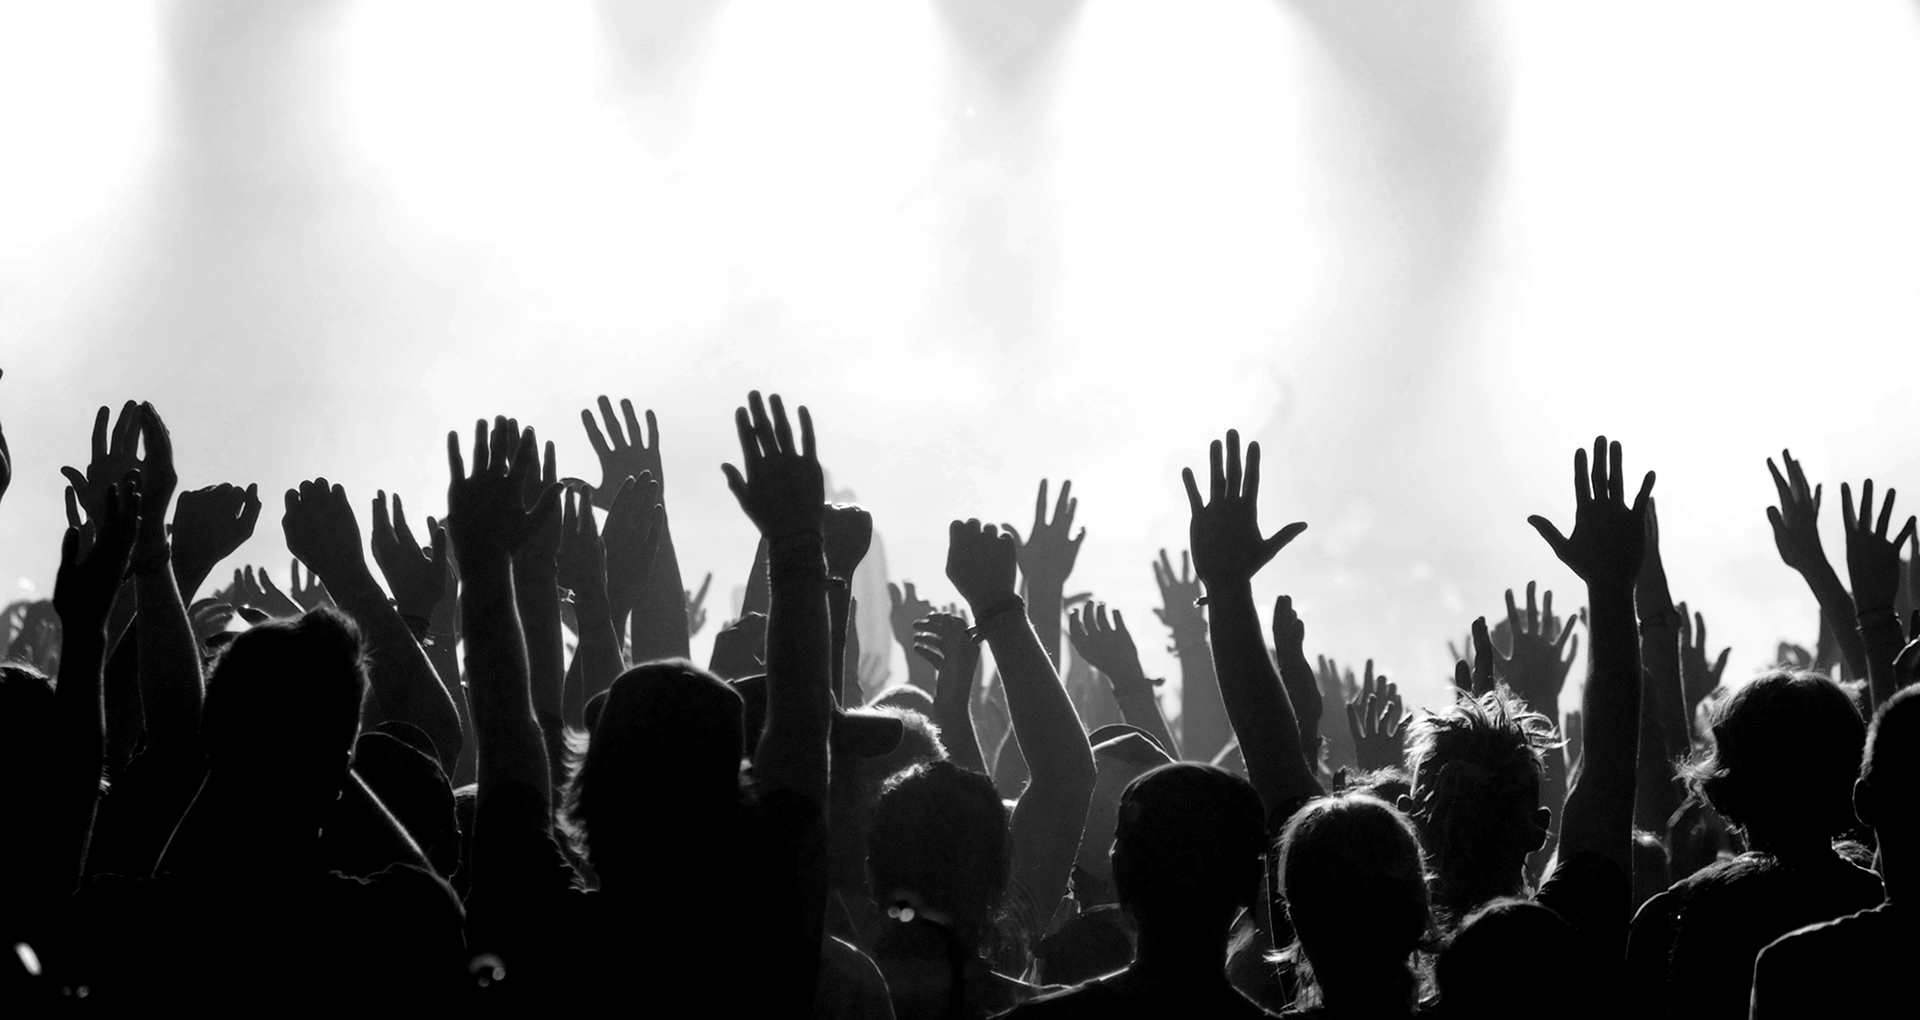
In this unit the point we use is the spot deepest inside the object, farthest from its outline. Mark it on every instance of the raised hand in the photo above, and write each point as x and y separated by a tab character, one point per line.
1698	677
1609	537
632	539
697	606
1796	531
849	531
309	593
322	533
582	561
623	454
251	591
93	561
542	546
417	576
208	525
941	639
1228	547
486	512
780	486
1178	593
1873	560
1378	721
1048	553
1543	652
981	563
1106	644
115	455
6	461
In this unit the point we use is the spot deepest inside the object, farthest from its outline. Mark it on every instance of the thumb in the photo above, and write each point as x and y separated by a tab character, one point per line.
1552	534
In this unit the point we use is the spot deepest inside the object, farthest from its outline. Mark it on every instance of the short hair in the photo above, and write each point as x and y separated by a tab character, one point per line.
1187	845
287	686
1471	767
1785	748
919	741
939	834
1509	958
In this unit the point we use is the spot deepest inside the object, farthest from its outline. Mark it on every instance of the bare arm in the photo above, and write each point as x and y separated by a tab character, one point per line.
1228	549
1873	565
1107	646
942	639
1046	560
170	680
1796	534
1605	550
1051	814
1204	730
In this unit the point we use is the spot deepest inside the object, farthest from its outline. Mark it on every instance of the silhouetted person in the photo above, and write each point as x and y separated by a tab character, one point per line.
1786	751
1861	965
1188	851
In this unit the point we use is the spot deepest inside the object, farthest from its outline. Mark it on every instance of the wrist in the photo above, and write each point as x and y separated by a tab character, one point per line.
151	557
997	613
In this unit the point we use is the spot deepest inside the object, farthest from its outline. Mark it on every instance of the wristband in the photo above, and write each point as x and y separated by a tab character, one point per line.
1871	616
1015	606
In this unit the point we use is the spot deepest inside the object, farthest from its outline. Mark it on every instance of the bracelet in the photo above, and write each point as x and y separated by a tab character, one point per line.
1871	616
1015	606
836	583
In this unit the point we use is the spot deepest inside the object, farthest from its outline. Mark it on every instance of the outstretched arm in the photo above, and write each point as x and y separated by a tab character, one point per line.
536	594
1046	560
849	533
208	525
92	562
1605	550
906	611
1051	815
322	532
170	680
1228	549
1204	730
1796	534
583	571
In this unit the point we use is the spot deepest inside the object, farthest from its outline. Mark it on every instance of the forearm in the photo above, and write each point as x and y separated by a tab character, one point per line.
846	682
1133	692
536	596
953	713
1045	725
403	679
1256	703
1599	813
660	614
920	672
598	654
1204	728
1882	639
1836	607
793	747
169	661
1044	597
1296	675
80	718
511	748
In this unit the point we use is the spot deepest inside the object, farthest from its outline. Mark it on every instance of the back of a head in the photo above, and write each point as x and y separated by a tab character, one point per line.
1355	887
1475	771
1512	958
1188	847
1786	751
284	700
664	755
939	839
1890	773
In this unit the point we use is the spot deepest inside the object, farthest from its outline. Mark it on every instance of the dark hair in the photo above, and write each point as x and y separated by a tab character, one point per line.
1352	875
1508	959
1785	751
1891	764
1188	845
939	835
287	687
667	751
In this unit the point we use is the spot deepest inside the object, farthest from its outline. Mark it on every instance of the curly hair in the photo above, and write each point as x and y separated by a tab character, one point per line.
1475	770
939	835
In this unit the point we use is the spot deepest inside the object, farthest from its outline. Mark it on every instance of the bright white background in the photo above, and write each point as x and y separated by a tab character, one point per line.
1420	251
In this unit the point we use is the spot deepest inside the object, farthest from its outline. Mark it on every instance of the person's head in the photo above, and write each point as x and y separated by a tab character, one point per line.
665	757
1883	796
939	842
1476	770
282	709
856	782
26	746
1784	755
1512	958
1121	754
1188	849
1355	887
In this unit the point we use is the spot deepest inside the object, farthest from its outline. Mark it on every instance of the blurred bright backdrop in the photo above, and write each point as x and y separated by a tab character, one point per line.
1420	251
